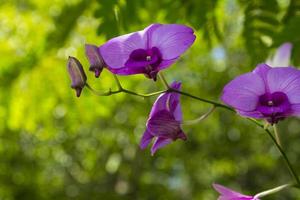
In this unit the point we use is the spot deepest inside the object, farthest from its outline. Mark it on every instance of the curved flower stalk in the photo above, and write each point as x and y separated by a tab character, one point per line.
228	194
265	93
164	121
282	56
148	51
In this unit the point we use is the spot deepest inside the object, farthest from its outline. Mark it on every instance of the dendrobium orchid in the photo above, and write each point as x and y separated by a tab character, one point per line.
269	93
228	194
282	56
147	51
164	121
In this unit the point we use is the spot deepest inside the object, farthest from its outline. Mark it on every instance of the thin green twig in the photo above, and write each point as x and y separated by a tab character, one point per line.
290	166
273	190
118	82
98	93
201	118
277	136
163	79
216	104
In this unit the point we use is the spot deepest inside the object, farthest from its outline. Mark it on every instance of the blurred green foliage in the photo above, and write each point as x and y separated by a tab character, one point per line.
56	146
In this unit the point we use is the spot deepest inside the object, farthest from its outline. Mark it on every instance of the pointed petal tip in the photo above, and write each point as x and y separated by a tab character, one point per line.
97	74
216	186
182	136
287	45
146	139
78	92
176	85
143	146
282	56
152	153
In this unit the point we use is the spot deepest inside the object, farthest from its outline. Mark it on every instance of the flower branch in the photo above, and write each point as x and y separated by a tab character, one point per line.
277	136
265	93
122	90
290	166
201	118
215	104
273	190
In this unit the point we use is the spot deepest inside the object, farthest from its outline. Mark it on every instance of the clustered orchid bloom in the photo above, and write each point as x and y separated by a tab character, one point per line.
164	121
148	51
228	194
271	91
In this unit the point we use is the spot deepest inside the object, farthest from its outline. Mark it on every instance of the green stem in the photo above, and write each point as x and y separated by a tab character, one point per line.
118	82
143	95
277	136
98	93
290	166
272	191
163	79
201	118
216	104
120	90
287	161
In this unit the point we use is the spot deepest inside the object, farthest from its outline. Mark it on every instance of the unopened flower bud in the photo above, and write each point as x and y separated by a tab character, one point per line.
96	61
77	75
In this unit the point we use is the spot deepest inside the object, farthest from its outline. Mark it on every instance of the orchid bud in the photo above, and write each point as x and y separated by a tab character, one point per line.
96	61
77	75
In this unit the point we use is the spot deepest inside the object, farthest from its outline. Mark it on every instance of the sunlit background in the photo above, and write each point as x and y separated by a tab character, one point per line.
56	146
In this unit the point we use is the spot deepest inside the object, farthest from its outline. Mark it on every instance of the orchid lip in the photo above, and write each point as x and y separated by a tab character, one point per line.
147	60
274	106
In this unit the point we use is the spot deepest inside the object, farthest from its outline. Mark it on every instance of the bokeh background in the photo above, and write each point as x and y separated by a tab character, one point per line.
56	146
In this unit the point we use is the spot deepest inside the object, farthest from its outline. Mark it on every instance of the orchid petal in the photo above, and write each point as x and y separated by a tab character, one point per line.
228	194
262	70
282	56
146	139
287	80
159	143
174	104
243	92
172	40
163	124
116	51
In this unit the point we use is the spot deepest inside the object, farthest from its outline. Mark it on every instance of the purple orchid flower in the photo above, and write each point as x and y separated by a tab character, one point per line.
282	56
228	194
164	121
147	51
269	93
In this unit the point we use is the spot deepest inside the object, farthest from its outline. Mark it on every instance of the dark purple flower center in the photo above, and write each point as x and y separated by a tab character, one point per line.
274	106
145	60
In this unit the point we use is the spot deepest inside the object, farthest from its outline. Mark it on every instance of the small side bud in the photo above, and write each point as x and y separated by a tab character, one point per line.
77	75
96	61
